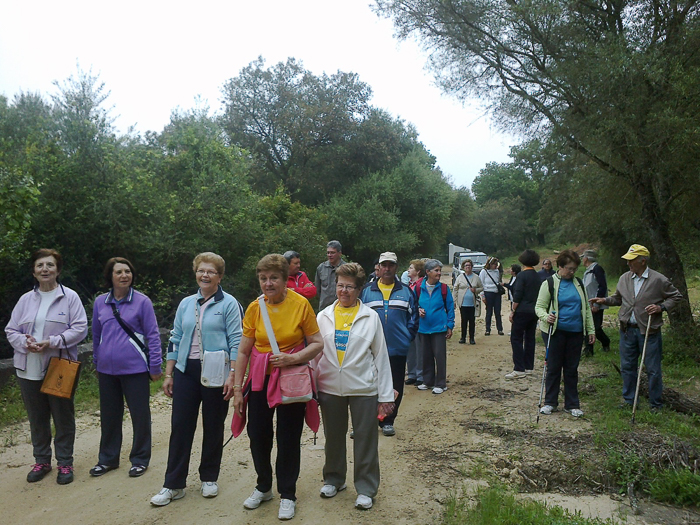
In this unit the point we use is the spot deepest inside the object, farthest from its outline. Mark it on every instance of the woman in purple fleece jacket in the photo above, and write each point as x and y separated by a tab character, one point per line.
125	363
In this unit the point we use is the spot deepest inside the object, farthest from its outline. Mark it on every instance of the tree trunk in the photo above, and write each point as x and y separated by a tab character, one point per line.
663	248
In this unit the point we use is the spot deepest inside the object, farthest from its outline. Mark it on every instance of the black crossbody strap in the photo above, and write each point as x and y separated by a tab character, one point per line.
131	334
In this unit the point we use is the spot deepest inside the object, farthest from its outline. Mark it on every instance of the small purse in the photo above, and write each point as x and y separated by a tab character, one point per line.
62	375
295	381
215	364
501	289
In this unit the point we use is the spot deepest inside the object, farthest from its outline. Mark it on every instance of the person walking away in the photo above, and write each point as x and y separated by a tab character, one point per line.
465	293
596	286
562	304
523	318
395	304
437	320
643	295
325	274
491	278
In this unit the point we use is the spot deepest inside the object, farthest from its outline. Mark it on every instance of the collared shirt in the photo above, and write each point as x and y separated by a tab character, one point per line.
325	283
638	281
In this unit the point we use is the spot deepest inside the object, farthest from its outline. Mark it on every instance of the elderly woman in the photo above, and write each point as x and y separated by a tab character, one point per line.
491	277
298	280
523	317
126	352
353	372
562	307
414	359
296	332
437	319
208	321
466	294
47	320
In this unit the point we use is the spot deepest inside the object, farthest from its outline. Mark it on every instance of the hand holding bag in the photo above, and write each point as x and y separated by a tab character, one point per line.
295	381
62	375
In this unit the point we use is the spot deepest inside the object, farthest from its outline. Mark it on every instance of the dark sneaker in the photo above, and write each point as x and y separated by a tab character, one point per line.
410	381
606	349
137	470
39	470
65	474
462	341
99	470
472	342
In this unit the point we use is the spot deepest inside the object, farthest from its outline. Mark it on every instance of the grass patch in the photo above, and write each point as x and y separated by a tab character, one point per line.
498	505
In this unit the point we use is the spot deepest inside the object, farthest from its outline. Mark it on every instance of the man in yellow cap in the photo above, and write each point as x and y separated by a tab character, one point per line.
642	295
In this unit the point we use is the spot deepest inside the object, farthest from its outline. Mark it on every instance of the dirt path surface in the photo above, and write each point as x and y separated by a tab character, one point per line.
481	421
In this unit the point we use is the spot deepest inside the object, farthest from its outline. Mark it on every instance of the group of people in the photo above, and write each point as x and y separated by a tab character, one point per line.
569	311
365	343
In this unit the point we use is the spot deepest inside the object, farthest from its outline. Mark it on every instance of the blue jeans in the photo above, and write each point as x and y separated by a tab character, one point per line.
631	345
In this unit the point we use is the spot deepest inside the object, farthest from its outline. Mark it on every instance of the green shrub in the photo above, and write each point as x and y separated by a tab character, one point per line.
680	487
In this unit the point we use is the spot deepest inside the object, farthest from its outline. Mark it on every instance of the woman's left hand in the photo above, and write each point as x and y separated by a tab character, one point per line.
384	409
591	339
38	346
282	359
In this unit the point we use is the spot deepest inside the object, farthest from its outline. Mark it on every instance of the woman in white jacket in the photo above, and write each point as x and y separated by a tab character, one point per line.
352	372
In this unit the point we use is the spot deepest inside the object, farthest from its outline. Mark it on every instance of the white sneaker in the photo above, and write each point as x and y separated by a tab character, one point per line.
328	491
210	489
165	496
528	372
256	498
437	390
576	412
363	502
515	374
547	409
286	509
422	386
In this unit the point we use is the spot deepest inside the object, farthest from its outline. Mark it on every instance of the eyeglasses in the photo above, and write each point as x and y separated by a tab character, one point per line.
345	287
569	268
208	273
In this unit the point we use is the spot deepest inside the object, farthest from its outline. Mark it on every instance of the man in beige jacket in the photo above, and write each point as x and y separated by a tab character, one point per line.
642	295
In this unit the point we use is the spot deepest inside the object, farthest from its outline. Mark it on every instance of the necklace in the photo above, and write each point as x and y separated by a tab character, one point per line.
347	315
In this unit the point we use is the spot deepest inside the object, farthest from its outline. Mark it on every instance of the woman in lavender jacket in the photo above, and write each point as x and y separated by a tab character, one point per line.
124	366
47	320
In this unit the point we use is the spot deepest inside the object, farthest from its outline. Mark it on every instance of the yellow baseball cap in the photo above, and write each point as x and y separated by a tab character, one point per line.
635	251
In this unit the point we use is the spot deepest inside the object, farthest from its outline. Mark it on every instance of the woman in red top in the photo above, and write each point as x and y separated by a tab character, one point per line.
297	280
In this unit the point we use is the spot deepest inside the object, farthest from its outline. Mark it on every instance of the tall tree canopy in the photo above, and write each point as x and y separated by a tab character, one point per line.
617	80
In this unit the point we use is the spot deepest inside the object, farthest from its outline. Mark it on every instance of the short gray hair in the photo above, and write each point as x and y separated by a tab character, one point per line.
335	245
431	264
291	254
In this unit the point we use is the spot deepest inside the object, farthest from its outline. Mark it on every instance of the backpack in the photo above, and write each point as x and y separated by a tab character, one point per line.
443	288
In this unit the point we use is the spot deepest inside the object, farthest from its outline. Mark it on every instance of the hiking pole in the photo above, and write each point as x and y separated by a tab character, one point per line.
639	372
544	372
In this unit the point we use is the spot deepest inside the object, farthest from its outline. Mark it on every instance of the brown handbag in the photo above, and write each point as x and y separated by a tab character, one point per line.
62	375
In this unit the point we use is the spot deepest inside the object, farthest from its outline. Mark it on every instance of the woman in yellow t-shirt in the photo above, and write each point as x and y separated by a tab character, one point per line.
353	372
296	331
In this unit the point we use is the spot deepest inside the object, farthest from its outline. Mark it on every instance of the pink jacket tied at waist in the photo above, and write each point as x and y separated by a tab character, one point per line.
259	363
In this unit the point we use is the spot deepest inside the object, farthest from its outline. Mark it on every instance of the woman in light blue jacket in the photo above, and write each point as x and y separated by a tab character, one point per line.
208	321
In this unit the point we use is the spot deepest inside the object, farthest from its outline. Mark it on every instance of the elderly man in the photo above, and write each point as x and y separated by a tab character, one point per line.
596	285
325	275
396	305
642	295
546	270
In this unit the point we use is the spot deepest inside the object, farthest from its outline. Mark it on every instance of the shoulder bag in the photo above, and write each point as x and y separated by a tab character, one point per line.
501	289
62	375
215	364
131	335
295	381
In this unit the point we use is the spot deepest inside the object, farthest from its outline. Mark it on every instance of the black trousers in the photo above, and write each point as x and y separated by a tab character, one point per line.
493	306
188	395
290	423
398	372
600	334
113	390
467	315
522	340
564	356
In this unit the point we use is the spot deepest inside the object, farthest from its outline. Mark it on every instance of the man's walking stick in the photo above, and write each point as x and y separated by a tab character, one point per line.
639	372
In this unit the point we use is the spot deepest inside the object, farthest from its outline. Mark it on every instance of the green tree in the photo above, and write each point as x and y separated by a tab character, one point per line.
618	82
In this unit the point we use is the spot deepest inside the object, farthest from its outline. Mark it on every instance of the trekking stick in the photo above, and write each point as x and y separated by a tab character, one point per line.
639	372
544	372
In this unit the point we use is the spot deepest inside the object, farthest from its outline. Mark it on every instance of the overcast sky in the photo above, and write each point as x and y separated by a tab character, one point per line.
155	56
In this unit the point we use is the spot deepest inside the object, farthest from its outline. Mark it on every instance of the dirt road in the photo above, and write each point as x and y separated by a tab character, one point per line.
479	420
